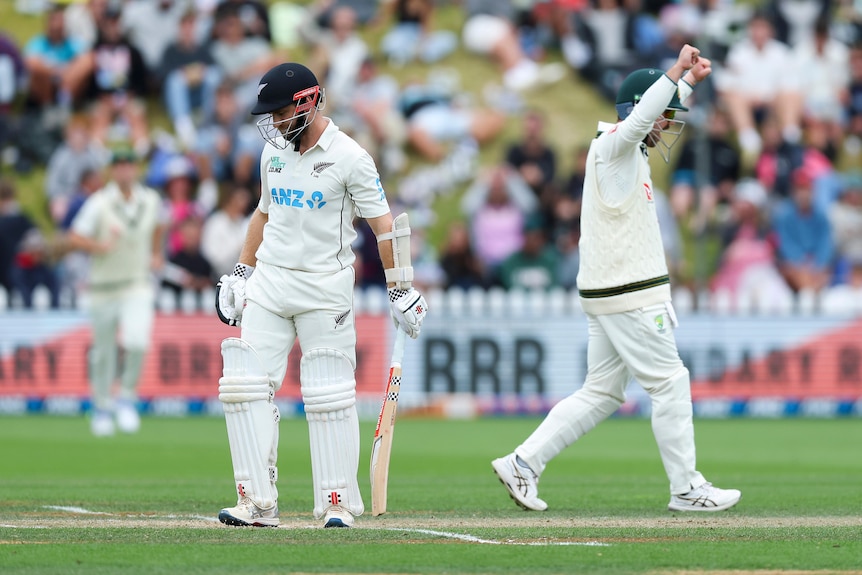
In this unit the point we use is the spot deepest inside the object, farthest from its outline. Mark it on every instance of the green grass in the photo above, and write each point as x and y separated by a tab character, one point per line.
160	489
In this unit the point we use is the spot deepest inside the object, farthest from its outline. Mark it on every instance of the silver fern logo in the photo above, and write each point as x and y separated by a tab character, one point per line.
341	318
319	167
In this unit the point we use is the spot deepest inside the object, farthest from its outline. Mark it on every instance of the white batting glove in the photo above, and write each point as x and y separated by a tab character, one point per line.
230	294
408	309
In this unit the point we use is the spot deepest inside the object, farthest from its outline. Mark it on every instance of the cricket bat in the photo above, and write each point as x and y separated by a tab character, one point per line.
381	449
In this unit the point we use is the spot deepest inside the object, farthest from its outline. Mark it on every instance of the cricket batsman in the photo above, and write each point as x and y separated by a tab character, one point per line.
295	281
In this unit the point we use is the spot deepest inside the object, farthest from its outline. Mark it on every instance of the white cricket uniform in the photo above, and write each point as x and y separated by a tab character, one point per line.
120	285
304	280
625	292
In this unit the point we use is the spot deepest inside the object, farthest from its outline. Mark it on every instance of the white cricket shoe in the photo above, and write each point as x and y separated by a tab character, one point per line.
337	516
705	498
520	481
247	514
102	424
128	420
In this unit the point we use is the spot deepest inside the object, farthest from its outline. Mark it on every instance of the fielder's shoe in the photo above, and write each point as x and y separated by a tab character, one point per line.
102	424
520	481
705	498
247	514
128	420
337	516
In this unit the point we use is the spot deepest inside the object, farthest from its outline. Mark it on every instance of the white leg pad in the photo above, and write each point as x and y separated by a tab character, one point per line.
329	394
246	393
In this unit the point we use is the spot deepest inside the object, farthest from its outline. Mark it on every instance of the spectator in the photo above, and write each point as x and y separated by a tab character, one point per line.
337	55
33	267
846	296
753	92
853	108
252	13
188	269
795	20
566	236
459	263
845	217
805	245
79	153
74	267
489	30
14	225
228	147
706	172
374	119
435	119
224	231
606	29
748	271
535	265
48	57
824	61
179	201
413	35
427	272
534	157
777	160
82	20
151	26
117	79
190	79
12	81
498	204
241	60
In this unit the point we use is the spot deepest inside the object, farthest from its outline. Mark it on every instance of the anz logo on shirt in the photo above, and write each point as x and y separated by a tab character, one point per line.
297	199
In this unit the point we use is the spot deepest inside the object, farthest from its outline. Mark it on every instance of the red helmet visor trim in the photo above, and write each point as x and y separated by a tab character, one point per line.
301	107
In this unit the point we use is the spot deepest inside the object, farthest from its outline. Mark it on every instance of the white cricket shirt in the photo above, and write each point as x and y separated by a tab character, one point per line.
129	223
312	199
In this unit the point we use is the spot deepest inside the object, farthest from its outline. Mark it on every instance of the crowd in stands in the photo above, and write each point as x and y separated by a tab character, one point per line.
766	187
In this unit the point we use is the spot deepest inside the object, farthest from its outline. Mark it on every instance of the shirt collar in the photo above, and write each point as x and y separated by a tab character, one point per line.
605	126
328	136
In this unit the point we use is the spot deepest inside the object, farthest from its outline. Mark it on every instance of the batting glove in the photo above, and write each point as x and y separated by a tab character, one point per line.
230	294
408	309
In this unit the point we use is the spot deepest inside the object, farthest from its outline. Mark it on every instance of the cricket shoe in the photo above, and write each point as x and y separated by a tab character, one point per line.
520	481
705	498
337	516
128	420
102	424
247	514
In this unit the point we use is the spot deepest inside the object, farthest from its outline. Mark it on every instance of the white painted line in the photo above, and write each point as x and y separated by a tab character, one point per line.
473	539
75	510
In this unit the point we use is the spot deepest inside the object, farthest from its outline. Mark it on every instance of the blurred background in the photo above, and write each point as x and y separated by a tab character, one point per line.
478	115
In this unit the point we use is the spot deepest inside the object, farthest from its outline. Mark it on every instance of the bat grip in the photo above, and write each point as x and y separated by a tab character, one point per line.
398	348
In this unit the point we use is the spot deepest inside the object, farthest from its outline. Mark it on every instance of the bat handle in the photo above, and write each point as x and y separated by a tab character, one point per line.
398	348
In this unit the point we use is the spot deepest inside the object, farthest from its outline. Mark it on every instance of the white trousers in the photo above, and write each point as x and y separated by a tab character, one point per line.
283	306
126	316
639	344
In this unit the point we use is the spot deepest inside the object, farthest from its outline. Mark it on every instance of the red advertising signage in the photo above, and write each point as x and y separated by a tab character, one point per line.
184	360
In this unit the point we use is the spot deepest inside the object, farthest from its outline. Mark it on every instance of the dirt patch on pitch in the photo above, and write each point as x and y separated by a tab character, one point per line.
53	520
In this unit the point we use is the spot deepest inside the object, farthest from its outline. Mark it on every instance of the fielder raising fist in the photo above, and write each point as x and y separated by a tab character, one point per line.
295	279
625	292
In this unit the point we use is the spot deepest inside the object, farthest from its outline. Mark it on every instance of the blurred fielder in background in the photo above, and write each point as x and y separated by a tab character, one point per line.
122	228
625	292
295	280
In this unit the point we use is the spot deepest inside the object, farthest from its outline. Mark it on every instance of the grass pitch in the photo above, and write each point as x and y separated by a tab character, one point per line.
147	503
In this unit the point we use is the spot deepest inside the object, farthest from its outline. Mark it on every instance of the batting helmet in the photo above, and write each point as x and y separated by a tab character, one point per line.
632	90
283	85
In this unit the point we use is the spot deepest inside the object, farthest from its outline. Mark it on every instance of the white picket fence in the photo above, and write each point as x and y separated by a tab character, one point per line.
497	302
